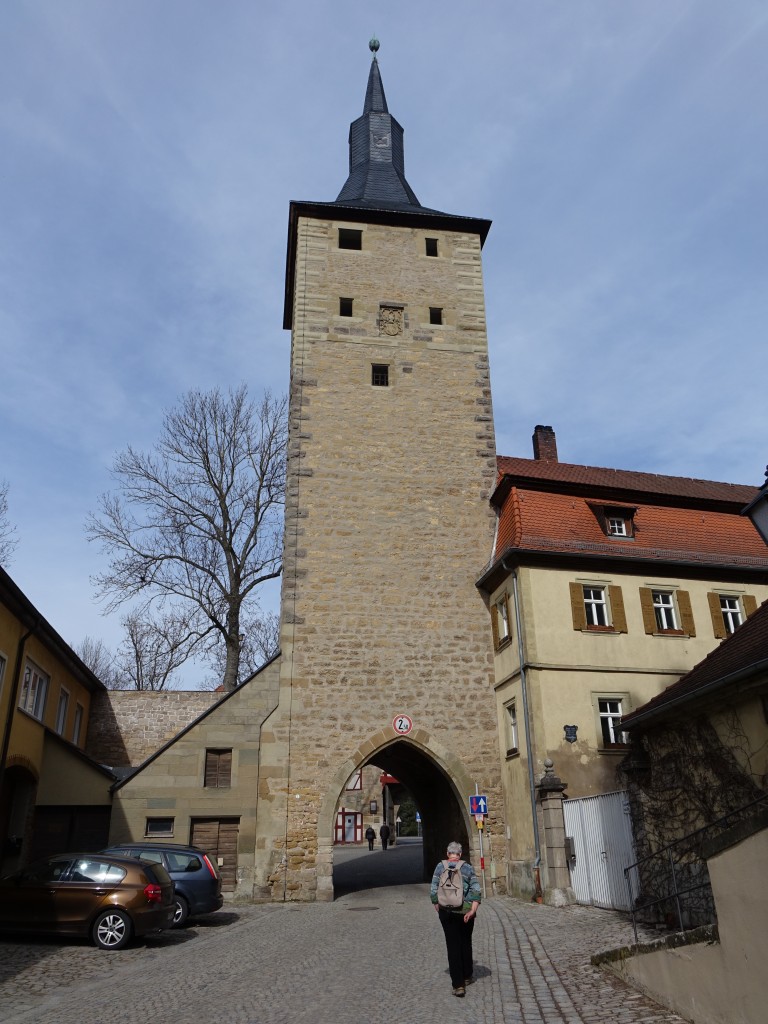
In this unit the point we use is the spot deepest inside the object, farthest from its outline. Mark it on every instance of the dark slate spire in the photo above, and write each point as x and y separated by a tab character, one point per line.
376	160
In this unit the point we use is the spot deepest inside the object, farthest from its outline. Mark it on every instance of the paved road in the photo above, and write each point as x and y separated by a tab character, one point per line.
373	954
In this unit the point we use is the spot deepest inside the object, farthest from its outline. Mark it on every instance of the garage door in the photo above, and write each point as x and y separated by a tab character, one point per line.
218	837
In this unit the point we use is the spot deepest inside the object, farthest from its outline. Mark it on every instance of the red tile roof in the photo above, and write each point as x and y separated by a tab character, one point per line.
556	506
535	520
737	656
623	480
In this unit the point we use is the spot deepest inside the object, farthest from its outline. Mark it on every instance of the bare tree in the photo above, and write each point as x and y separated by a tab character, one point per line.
99	659
151	652
259	642
196	524
8	540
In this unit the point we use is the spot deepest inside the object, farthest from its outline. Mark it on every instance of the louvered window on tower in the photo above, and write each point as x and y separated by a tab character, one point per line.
380	375
218	769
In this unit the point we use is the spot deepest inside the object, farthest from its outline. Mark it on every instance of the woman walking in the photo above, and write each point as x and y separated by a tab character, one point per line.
455	893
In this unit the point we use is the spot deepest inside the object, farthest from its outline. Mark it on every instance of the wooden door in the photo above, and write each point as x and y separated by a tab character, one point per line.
218	838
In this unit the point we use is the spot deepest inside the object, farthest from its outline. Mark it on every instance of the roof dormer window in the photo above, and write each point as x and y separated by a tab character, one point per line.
615	521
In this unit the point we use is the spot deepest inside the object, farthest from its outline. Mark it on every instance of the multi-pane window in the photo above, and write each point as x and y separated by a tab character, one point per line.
502	619
609	710
61	711
355	781
380	375
77	726
159	827
664	609
617	527
218	769
731	610
595	606
34	691
598	606
511	727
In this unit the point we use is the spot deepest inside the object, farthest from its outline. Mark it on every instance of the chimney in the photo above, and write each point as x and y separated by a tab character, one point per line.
544	444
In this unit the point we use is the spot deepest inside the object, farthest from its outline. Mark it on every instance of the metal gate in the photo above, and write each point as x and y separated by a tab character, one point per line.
602	836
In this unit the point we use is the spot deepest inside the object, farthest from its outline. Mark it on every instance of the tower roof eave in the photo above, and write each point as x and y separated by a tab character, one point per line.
369	213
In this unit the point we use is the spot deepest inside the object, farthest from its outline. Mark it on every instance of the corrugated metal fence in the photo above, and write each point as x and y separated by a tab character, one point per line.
602	834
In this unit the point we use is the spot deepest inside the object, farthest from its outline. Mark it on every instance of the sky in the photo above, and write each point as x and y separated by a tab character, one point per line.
150	149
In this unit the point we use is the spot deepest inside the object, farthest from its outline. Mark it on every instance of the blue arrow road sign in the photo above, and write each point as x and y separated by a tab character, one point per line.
478	805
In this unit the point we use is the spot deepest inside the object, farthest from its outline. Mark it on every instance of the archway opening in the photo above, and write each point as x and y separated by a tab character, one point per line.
405	771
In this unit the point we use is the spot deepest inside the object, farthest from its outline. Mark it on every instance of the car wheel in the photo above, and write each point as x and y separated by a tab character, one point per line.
180	912
112	929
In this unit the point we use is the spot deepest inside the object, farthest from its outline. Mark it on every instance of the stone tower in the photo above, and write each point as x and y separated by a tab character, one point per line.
391	463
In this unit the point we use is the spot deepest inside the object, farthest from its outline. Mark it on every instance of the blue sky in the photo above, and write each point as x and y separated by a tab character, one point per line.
151	148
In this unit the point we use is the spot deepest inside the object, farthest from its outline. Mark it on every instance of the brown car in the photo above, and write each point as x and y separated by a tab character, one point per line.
108	899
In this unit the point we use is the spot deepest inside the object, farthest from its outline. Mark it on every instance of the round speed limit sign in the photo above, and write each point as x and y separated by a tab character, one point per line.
402	724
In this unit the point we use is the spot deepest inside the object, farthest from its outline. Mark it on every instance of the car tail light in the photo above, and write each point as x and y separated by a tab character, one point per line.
154	893
210	866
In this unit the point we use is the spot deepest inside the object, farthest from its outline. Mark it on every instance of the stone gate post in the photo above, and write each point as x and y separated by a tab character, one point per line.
557	890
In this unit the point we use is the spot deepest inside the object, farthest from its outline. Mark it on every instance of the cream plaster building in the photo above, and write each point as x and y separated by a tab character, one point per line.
605	587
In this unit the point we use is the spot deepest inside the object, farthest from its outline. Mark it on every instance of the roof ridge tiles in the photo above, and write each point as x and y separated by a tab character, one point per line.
625	479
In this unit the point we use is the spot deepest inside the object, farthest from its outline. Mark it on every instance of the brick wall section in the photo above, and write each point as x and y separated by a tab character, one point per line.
387	526
126	726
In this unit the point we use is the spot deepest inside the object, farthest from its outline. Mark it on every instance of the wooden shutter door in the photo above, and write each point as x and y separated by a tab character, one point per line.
577	606
718	625
749	604
686	613
646	605
618	615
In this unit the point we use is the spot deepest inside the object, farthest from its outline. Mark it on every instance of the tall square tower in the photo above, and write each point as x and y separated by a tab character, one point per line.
391	463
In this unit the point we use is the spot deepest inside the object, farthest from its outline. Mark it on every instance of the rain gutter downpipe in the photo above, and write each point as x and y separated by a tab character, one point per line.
527	724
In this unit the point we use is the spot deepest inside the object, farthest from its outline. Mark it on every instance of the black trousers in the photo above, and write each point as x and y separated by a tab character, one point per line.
458	942
370	844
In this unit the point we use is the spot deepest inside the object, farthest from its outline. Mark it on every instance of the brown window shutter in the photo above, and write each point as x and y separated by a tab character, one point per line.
749	604
686	613
495	626
225	768
578	610
211	768
717	616
618	616
646	604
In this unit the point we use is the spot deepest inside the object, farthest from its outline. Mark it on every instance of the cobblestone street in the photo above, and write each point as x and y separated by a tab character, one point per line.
372	954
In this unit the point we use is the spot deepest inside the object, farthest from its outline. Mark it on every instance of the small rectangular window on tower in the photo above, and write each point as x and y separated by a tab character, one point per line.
435	314
431	246
350	238
345	307
380	375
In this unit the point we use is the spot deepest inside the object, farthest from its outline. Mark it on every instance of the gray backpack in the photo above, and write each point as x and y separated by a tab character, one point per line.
450	888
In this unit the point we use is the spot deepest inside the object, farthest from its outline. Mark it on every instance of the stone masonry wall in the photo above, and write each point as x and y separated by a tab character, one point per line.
387	527
126	726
